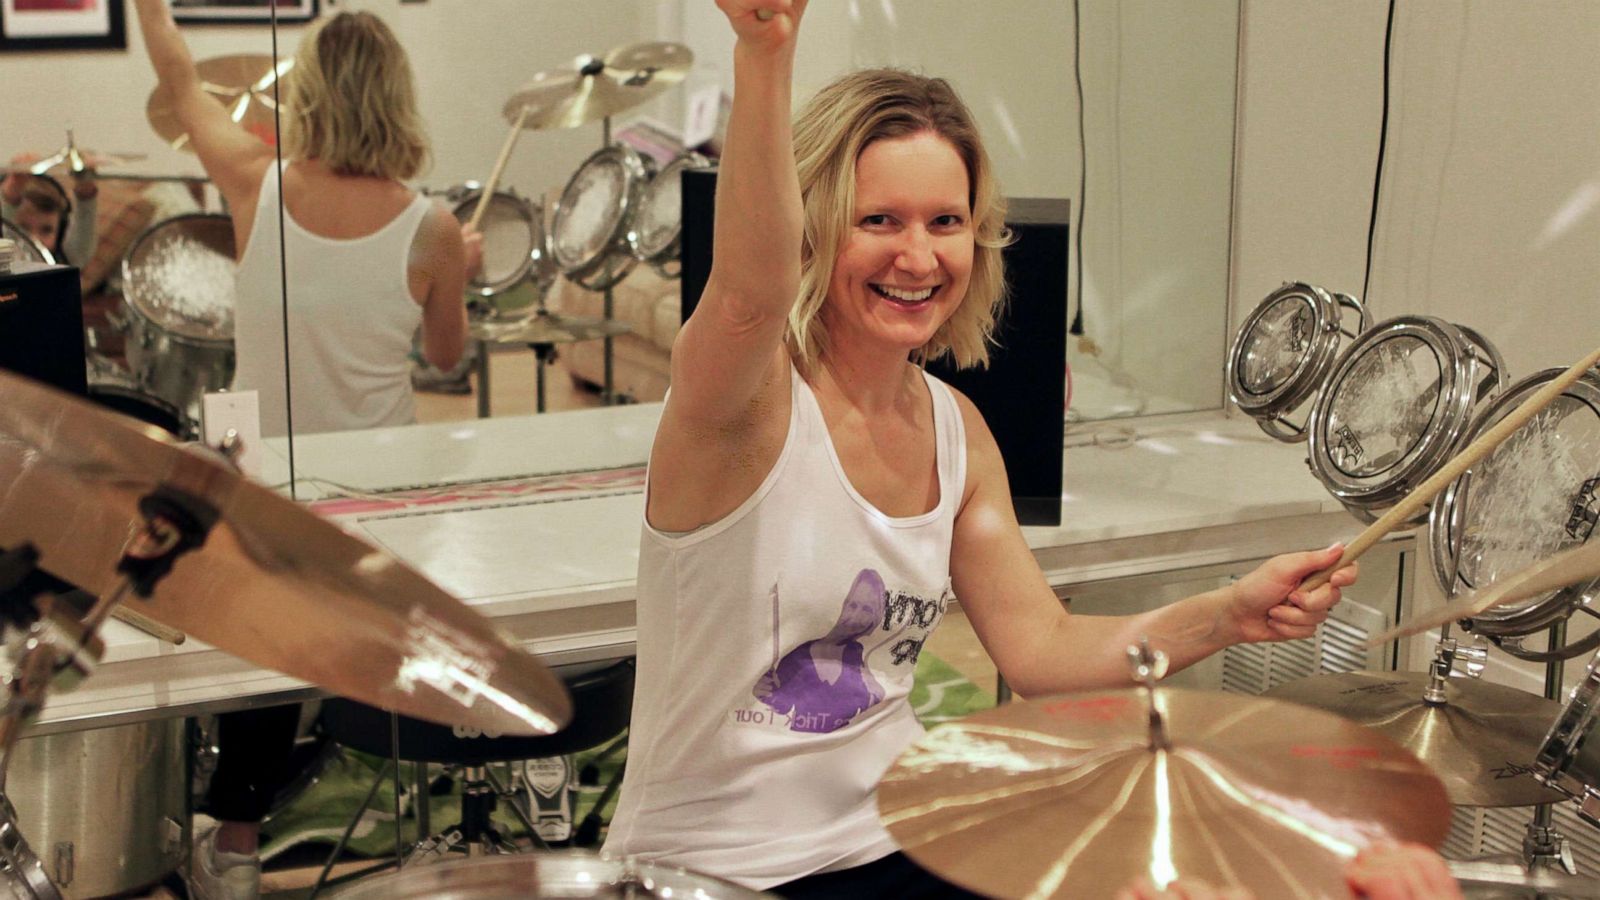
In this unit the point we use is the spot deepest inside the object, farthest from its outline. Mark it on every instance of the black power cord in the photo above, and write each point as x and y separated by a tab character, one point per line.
1076	327
1383	140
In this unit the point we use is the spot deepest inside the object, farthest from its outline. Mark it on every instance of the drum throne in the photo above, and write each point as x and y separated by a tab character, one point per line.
602	701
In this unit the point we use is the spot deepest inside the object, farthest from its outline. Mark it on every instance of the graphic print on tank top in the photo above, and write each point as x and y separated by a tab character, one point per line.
823	684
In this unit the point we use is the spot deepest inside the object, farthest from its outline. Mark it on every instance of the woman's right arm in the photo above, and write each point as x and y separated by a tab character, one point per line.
729	348
232	157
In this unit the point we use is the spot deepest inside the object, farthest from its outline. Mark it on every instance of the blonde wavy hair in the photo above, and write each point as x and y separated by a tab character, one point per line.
830	133
351	102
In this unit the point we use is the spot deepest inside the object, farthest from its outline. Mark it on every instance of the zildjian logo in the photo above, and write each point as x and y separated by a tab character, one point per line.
1510	770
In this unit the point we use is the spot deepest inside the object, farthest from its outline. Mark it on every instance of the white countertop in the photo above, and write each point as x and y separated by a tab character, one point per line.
552	558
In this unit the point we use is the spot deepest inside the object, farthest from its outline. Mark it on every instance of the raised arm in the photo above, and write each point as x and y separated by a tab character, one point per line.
726	351
232	157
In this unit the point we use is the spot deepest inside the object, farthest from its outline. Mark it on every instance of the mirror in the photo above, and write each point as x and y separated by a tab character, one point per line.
1157	125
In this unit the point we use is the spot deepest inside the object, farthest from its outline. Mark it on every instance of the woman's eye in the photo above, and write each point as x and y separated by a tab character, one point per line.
948	221
875	220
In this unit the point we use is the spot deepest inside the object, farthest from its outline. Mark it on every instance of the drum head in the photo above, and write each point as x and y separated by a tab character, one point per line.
179	276
1568	760
27	247
596	209
1530	498
655	232
1397	405
513	234
563	873
1285	351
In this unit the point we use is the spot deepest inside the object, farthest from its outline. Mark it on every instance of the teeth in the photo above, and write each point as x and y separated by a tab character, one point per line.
906	296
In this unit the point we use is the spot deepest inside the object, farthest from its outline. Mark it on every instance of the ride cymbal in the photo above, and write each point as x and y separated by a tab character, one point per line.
272	583
243	83
1064	796
1481	741
593	88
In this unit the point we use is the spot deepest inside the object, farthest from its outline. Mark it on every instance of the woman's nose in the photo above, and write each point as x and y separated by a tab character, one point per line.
916	255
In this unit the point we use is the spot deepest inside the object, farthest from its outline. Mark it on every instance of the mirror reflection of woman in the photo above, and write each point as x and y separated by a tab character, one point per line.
802	446
368	259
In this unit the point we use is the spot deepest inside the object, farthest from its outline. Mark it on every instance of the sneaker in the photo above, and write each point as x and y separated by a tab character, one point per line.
215	875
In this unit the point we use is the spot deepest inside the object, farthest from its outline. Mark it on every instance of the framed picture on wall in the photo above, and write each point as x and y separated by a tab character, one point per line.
242	11
62	25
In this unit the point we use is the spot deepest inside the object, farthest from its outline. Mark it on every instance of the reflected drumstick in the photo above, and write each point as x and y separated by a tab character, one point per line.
499	167
148	625
1567	567
1414	502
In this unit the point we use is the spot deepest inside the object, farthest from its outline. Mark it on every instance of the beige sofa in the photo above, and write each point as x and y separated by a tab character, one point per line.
641	362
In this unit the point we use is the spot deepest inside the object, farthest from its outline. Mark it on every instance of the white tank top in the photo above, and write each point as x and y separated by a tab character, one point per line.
351	320
776	649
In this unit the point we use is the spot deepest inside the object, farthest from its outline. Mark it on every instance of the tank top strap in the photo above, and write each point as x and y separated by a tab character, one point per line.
951	436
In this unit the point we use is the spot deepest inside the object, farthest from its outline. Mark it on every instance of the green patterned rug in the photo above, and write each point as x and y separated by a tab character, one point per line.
322	812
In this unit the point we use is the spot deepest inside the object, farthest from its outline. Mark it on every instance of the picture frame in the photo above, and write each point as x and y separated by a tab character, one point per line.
243	12
62	25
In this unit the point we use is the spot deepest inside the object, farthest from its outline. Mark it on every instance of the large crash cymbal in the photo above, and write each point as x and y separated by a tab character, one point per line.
273	583
1063	797
592	88
243	83
1481	741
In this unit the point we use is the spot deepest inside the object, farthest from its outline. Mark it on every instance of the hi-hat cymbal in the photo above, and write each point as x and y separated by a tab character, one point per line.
593	88
243	83
548	328
272	583
1481	741
1062	796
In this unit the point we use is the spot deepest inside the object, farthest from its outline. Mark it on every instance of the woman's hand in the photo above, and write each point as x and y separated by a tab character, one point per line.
1401	872
17	178
765	24
1269	605
1182	889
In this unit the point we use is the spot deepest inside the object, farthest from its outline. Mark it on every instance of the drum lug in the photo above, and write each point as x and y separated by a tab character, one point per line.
62	863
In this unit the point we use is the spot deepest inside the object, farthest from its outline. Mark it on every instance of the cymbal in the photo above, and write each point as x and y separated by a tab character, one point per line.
1482	741
592	88
243	83
547	328
1062	796
273	583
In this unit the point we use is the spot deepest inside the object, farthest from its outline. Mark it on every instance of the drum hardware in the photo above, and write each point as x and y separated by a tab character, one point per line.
541	332
556	873
1285	351
26	247
1418	499
78	161
245	84
1078	794
656	234
1500	875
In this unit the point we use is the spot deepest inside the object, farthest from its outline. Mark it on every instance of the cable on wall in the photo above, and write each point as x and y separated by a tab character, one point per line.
1383	139
1076	327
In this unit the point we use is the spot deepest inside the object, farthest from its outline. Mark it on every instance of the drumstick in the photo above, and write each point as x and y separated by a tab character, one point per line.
1566	567
499	167
1478	449
147	625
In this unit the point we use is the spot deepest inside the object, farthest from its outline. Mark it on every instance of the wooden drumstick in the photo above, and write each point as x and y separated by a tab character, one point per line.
147	625
499	167
1478	449
1567	567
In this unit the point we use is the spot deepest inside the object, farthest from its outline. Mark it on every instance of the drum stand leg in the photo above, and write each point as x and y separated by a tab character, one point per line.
608	393
542	354
1543	846
483	379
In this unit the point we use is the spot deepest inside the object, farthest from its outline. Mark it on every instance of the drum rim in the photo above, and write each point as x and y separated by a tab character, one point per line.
624	865
635	175
13	231
674	169
1458	364
466	202
135	304
1445	513
1560	747
1313	367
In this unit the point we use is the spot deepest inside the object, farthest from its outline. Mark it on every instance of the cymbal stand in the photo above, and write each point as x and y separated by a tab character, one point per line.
1149	666
608	393
1543	846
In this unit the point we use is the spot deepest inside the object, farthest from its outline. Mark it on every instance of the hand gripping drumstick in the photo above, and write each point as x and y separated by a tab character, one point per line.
499	167
1478	449
1567	567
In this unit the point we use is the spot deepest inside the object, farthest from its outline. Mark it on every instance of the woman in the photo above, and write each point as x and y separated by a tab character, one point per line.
368	258
39	205
802	444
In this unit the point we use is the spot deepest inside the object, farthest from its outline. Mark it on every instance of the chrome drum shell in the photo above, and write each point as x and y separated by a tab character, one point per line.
1285	351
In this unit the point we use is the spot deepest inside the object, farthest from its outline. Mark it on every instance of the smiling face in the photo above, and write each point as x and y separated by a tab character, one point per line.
906	260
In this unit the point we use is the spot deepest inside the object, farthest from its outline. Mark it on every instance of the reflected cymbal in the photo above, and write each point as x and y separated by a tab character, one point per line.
1481	742
548	328
273	583
593	88
1061	796
243	83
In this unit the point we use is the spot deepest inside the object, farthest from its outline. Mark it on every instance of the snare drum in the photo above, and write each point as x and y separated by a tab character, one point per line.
557	873
1397	407
1285	352
1530	498
515	245
657	230
1568	760
590	227
27	247
179	290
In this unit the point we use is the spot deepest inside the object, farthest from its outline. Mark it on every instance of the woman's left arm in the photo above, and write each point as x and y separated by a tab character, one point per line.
1042	649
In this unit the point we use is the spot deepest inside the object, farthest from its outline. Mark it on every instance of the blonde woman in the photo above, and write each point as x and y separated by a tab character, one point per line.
368	258
805	460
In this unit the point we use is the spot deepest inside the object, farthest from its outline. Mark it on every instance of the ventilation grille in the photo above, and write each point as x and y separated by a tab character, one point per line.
1478	831
1338	646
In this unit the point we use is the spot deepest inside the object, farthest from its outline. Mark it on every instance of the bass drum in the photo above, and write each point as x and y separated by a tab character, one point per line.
27	248
558	873
104	811
178	284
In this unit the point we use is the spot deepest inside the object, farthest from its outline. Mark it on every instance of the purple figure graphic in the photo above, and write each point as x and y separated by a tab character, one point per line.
822	685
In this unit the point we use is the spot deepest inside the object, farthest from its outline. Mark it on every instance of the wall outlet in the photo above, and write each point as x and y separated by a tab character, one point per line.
241	412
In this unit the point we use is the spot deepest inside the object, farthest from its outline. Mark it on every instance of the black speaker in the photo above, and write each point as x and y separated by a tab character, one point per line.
41	325
1022	394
